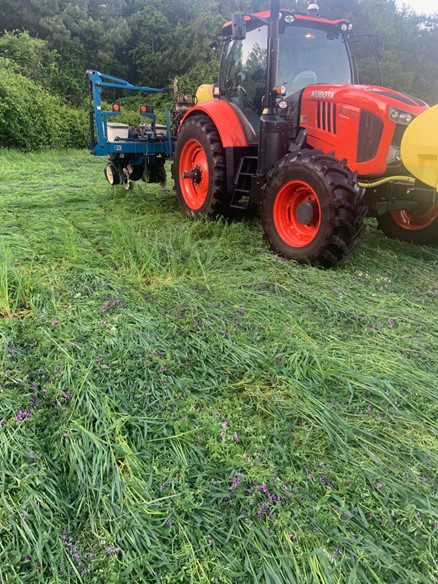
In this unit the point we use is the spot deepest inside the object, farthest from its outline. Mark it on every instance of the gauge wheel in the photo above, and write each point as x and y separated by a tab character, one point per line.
199	169
112	174
313	209
420	228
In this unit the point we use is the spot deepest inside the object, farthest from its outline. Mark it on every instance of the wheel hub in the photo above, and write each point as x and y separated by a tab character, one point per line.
305	212
195	174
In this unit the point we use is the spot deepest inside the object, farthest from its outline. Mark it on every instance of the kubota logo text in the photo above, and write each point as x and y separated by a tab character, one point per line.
323	94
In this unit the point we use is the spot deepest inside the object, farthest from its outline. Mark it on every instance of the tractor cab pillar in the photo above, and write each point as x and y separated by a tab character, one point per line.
273	130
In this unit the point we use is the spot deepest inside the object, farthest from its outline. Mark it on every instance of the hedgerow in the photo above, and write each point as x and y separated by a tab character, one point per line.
31	118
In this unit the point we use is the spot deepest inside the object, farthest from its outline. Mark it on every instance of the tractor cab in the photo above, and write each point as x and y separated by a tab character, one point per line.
312	51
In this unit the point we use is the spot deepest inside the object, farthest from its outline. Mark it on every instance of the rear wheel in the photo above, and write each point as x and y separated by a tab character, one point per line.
313	209
421	228
199	169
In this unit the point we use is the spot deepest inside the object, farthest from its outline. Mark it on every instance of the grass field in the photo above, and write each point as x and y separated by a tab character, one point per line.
179	405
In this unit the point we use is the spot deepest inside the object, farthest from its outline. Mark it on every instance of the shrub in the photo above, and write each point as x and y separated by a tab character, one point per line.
31	118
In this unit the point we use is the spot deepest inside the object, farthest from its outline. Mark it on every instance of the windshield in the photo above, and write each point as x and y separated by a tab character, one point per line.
307	56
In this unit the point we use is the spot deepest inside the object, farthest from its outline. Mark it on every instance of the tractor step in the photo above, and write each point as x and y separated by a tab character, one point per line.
242	185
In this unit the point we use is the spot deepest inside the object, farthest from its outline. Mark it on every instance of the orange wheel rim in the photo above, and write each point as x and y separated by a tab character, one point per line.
413	221
194	175
287	220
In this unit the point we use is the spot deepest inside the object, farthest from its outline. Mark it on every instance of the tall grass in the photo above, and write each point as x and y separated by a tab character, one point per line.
179	405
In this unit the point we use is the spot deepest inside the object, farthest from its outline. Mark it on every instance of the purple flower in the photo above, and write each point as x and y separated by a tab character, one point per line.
236	438
378	486
33	457
23	415
112	550
66	395
263	510
265	489
224	425
236	480
324	480
169	522
110	304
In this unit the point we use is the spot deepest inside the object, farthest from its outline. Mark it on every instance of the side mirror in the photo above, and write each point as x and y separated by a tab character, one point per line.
379	45
238	27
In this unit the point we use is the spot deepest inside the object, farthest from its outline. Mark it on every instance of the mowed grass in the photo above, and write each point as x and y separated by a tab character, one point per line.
177	404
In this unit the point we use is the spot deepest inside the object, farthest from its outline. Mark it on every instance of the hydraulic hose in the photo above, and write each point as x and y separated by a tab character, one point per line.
387	179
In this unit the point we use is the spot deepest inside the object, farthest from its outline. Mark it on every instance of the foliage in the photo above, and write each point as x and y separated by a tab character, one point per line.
177	404
411	47
32	57
31	118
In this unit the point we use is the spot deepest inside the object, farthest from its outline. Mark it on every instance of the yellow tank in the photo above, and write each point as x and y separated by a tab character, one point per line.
204	93
419	147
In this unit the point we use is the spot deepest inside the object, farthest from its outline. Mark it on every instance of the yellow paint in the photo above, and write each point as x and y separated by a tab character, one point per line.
204	93
419	147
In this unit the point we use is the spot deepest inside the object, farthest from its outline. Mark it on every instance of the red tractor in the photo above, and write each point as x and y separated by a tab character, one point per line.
292	128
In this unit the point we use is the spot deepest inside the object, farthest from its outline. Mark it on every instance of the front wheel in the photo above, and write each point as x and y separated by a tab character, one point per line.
313	209
420	228
199	169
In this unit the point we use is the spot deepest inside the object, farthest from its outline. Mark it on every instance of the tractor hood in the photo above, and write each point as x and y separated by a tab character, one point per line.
363	123
375	99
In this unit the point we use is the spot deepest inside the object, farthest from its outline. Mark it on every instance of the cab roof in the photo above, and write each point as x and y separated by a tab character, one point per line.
298	18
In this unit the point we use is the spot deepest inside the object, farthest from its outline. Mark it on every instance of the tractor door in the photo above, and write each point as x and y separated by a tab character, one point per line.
243	73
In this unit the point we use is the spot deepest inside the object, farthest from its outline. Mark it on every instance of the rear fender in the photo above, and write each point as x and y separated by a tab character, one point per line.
229	121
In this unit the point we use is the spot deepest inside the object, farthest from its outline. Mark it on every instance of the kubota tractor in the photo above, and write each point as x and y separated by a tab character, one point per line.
300	125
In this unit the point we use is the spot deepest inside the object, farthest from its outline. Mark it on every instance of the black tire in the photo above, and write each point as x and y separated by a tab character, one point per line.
421	228
199	151
137	172
313	209
112	174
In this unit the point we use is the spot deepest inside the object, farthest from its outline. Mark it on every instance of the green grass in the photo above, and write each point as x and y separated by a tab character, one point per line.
177	404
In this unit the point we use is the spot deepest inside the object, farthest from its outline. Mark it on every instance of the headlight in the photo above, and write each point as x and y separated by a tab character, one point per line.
399	116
